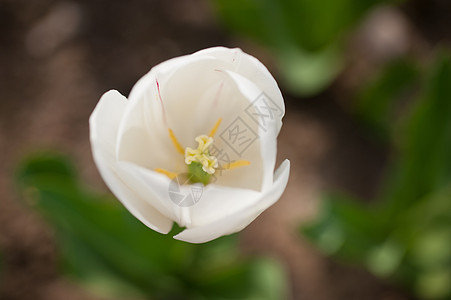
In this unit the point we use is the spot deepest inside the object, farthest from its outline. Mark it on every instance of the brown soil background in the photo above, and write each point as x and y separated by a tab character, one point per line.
58	57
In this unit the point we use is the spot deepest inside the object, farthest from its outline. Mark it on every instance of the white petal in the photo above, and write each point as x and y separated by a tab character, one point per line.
176	104
191	99
237	221
104	122
216	95
250	68
194	98
143	135
162	72
267	128
151	186
215	202
219	201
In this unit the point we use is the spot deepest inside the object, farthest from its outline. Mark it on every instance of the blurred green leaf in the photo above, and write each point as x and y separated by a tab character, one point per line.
425	143
312	25
344	228
317	24
270	281
304	35
379	101
407	235
434	284
115	255
432	248
307	73
384	259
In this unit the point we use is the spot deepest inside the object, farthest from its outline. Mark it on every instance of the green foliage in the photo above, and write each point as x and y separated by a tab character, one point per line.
378	102
305	35
407	236
112	253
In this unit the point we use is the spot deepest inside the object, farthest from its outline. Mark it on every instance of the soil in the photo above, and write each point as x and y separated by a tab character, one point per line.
58	57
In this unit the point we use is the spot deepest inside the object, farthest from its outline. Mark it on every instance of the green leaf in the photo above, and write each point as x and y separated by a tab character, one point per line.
434	284
432	248
379	101
305	36
307	73
425	143
113	254
384	259
407	236
270	280
310	24
317	24
345	228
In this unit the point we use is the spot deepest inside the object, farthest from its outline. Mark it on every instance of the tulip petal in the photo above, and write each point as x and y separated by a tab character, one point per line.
149	185
215	202
267	128
197	96
194	98
250	68
143	135
163	100
162	72
104	123
237	221
218	201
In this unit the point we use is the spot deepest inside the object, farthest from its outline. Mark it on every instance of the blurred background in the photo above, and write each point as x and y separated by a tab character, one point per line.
367	210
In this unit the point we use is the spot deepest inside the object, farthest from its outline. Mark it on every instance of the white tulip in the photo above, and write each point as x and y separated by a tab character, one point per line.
213	117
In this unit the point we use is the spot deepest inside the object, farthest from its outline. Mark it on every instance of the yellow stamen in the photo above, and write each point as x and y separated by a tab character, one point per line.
215	128
236	164
175	142
171	175
202	154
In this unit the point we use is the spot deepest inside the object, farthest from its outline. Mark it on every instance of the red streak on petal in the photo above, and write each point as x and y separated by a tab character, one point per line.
161	102
159	93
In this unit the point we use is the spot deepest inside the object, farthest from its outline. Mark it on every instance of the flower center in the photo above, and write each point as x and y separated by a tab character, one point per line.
201	165
202	154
